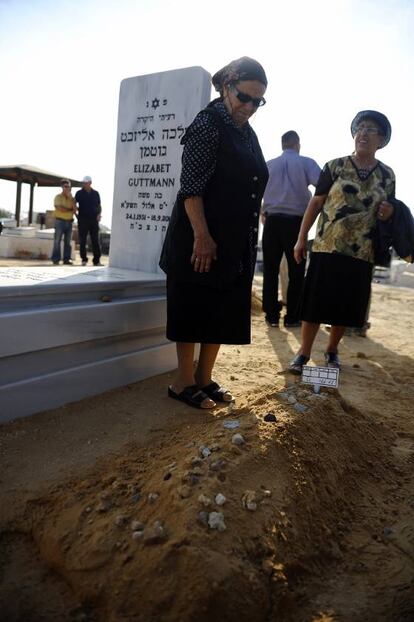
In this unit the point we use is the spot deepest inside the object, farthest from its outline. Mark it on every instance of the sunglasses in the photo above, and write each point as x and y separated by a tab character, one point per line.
244	98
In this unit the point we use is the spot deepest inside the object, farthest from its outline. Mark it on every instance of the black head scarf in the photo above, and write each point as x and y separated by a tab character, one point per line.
243	68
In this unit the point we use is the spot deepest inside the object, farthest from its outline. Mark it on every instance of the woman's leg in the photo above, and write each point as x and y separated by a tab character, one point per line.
308	334
204	371
206	360
185	372
335	335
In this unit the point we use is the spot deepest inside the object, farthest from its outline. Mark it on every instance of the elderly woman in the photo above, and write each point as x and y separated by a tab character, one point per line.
210	248
351	194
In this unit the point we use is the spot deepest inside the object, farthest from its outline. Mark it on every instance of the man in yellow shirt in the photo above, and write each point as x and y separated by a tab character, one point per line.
65	208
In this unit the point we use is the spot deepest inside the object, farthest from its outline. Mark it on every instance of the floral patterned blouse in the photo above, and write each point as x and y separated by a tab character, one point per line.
347	221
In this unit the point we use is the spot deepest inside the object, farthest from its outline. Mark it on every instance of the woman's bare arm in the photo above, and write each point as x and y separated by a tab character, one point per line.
204	248
314	208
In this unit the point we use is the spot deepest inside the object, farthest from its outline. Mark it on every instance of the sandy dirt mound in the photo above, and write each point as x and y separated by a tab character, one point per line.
318	508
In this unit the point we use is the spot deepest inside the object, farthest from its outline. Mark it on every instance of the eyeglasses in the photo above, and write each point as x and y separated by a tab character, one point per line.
368	130
244	98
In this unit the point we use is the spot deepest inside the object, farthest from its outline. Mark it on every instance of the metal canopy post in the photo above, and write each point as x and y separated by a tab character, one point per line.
32	185
18	201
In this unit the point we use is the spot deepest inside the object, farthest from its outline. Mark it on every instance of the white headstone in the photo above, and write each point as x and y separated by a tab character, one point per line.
154	111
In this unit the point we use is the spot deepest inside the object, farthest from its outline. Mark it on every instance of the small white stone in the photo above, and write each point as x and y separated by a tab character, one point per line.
136	525
137	535
205	452
300	408
184	491
238	439
292	399
220	499
153	496
121	520
249	500
216	521
206	501
231	424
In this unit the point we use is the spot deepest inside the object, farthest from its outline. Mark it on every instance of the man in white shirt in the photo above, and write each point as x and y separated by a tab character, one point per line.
284	203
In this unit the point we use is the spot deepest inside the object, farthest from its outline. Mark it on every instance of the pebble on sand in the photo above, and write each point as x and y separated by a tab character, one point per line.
238	439
216	521
184	491
205	452
206	501
120	520
136	525
156	533
300	408
231	424
249	500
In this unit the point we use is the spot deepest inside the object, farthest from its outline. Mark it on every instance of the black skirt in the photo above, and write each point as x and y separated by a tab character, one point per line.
197	313
337	290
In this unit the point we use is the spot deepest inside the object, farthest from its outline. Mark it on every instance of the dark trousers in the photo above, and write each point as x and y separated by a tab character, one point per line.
86	226
280	234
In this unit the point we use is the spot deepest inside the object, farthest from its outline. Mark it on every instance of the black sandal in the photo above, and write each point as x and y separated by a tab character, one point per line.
216	393
295	366
332	360
192	395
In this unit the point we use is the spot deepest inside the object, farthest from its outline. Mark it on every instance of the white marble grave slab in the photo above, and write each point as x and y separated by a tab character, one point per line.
68	275
154	111
71	332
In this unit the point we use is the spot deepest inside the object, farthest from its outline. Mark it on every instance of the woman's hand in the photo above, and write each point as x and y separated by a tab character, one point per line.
204	252
385	211
300	250
314	208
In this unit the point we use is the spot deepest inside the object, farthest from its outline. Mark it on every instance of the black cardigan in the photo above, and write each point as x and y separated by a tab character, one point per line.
397	232
232	200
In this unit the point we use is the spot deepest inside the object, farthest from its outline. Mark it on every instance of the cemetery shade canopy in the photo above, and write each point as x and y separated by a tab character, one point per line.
24	174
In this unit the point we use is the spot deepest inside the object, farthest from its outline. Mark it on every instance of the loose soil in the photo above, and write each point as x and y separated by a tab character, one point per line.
330	536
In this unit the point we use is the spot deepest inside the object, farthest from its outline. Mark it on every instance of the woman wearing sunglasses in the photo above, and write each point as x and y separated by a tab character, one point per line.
351	194
210	248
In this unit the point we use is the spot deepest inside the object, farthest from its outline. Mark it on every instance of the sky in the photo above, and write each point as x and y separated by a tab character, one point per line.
62	61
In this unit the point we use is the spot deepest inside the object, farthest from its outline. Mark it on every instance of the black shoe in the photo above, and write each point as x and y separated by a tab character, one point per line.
55	263
332	360
68	262
97	263
84	262
295	366
272	321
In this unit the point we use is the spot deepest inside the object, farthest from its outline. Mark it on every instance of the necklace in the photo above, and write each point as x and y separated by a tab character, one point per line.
363	166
